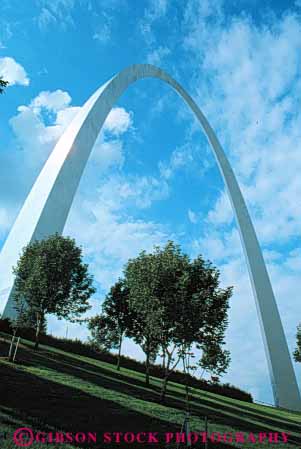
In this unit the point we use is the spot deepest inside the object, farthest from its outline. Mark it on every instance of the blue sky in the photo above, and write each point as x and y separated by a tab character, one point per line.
152	176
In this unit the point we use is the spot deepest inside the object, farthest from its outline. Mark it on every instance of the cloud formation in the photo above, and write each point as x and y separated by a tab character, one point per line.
13	72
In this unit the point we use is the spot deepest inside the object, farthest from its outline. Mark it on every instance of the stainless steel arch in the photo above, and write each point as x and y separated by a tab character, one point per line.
47	206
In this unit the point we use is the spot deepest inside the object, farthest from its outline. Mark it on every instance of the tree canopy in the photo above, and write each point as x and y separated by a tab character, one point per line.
297	352
171	306
3	84
51	278
115	322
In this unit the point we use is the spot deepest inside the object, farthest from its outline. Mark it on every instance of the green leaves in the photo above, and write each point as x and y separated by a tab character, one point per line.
51	278
170	304
3	84
115	322
104	334
297	352
178	304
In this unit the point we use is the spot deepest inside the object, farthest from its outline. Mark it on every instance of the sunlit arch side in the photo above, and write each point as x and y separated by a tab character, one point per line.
47	206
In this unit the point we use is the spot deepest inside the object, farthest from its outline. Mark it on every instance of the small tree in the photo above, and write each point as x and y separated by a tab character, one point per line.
116	321
51	278
143	279
215	360
27	319
178	304
3	84
103	332
297	352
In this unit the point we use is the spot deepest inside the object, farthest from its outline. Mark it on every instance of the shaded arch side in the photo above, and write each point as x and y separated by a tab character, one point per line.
47	206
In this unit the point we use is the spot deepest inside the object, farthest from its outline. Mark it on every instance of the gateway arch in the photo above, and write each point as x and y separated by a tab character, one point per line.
46	208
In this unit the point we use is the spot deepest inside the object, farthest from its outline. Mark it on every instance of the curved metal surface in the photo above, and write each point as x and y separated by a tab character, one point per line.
47	206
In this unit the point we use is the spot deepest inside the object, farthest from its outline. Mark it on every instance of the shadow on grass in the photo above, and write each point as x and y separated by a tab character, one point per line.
121	383
70	409
50	406
264	413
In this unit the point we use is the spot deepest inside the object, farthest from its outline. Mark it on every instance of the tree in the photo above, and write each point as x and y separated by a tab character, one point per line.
214	360
3	84
103	333
178	304
203	309
297	352
148	279
27	319
51	278
116	321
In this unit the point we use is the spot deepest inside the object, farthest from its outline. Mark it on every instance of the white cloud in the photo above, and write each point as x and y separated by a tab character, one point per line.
53	101
65	115
13	72
45	18
118	121
217	247
103	34
250	98
108	154
149	189
111	235
157	55
293	261
189	156
180	157
156	10
192	216
5	32
55	12
123	192
38	126
222	212
5	221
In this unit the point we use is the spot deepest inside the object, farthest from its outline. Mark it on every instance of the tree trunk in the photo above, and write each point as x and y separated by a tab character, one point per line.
39	321
119	353
168	370
164	388
147	368
166	376
163	358
186	372
11	346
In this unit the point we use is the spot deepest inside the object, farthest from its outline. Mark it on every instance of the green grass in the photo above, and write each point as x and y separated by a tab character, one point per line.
52	390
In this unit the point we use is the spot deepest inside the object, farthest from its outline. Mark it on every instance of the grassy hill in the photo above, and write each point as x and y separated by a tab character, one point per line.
52	390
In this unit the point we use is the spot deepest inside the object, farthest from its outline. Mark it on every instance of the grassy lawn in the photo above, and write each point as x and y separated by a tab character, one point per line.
52	390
